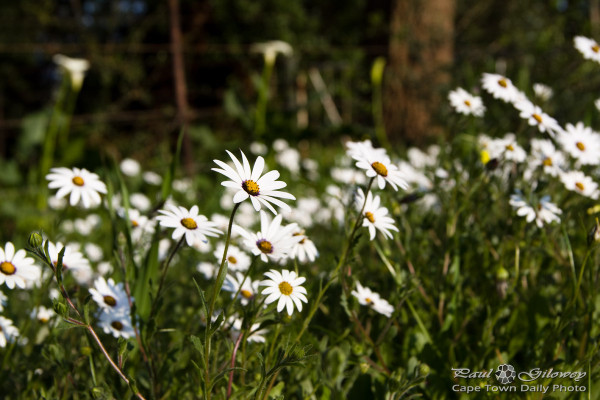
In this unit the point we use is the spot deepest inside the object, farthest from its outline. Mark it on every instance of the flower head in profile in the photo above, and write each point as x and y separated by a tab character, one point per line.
284	286
375	216
589	48
75	67
544	212
582	143
273	241
8	332
367	297
536	117
542	92
271	49
465	103
377	164
250	183
73	261
500	87
16	269
577	181
188	223
247	288
304	250
83	185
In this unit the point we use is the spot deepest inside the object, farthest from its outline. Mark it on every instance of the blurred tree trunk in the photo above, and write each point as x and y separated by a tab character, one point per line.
420	53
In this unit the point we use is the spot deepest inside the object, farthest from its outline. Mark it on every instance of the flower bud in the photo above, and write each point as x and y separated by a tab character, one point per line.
35	240
424	370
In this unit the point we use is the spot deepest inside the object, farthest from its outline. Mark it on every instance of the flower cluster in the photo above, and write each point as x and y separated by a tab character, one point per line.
115	314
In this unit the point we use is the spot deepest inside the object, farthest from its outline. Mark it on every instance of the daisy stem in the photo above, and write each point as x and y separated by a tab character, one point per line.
211	309
235	349
341	262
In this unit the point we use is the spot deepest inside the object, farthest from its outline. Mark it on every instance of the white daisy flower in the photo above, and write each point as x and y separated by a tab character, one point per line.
536	117
83	185
285	287
465	103
290	159
208	270
304	250
375	216
237	260
271	49
152	178
73	261
378	164
255	334
42	314
544	212
582	143
110	296
363	149
8	332
140	201
542	92
130	167
506	148
367	297
273	241
258	149
117	324
305	209
500	87
16	269
248	290
348	176
545	155
577	181
250	184
588	48
188	223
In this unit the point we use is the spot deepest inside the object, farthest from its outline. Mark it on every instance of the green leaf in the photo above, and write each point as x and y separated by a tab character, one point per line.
148	273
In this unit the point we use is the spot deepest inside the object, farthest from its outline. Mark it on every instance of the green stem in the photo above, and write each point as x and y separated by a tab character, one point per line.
261	104
164	274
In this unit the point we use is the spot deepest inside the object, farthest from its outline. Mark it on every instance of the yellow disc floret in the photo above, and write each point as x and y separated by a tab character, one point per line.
580	146
285	288
265	246
370	217
7	268
117	325
502	82
110	301
189	223
232	260
251	187
379	168
538	118
579	186
547	162
77	180
246	293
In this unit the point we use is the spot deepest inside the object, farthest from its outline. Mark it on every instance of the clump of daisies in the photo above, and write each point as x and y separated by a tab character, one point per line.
113	301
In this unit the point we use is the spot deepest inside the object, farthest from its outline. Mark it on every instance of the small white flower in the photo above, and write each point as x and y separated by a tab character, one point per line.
130	167
500	87
367	297
93	252
542	92
506	148
258	149
248	290
42	314
375	216
285	287
588	48
536	117
117	324
290	159
152	178
273	241
83	185
305	209
3	299
188	223
582	143
75	67
73	261
304	250
545	155
237	260
271	49
8	332
465	103
250	184
544	212
378	164
577	181
16	269
110	296
208	270
140	201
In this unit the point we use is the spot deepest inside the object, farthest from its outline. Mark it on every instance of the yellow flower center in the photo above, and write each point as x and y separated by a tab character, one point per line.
467	103
595	48
285	288
77	180
547	162
538	118
7	268
110	301
502	82
510	147
380	168
189	223
265	246
232	260
117	325
251	187
579	186
580	146
369	301
246	293
135	224
299	234
370	217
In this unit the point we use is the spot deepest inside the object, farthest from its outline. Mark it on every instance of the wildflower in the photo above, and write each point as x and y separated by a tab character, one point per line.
16	269
247	288
506	148
304	212
289	158
250	184
304	250
130	167
255	334
545	155
42	314
500	87
73	261
542	92
363	149
271	49
237	260
272	241
375	216
544	212
188	223
117	324
588	48
75	67
110	296
8	332
207	269
578	182
465	103
582	143
378	164
258	149
367	297
83	185
285	287
140	201
536	117
152	178
3	299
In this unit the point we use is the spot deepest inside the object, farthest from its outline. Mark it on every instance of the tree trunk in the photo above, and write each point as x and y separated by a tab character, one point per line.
420	53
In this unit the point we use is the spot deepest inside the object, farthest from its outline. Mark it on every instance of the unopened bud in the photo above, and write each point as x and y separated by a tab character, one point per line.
364	367
424	370
35	240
